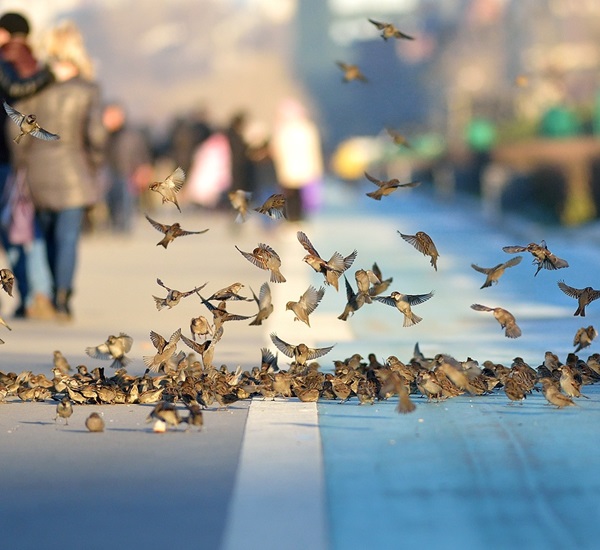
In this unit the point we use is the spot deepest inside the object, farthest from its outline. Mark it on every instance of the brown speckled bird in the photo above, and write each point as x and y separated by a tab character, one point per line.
542	257
173	296
263	301
28	125
114	348
307	303
403	303
273	207
230	292
351	72
7	280
554	396
494	273
570	381
264	257
385	188
164	350
505	318
423	243
354	301
583	338
64	409
300	353
170	186
583	296
332	269
171	232
388	30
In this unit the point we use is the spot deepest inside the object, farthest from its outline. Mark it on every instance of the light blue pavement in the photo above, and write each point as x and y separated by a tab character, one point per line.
470	472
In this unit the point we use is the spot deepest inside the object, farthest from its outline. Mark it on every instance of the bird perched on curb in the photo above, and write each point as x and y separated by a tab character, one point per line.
424	244
273	207
332	269
64	409
171	232
505	318
403	303
494	273
173	296
307	303
94	423
28	125
7	280
583	338
351	72
388	30
300	353
584	296
114	348
170	186
265	306
264	257
542	257
386	188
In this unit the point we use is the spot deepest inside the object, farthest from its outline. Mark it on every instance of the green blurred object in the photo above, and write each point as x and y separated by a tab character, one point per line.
559	122
481	134
596	115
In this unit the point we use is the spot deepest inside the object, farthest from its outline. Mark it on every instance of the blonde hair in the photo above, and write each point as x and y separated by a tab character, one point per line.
65	43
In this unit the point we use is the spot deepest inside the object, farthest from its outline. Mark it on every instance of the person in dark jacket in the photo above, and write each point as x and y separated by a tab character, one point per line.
20	76
63	174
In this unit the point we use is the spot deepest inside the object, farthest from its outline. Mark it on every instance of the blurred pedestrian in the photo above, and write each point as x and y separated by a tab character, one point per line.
242	166
128	167
187	134
20	76
63	174
298	159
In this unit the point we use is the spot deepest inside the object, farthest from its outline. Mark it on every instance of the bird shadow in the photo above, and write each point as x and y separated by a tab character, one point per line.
39	423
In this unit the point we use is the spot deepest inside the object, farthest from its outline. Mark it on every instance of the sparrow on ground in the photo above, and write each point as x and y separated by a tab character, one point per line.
386	188
173	296
194	417
239	201
164	350
264	257
505	318
351	72
273	207
542	257
64	409
307	303
165	412
28	125
94	423
423	243
300	353
171	232
331	269
265	307
114	348
170	186
570	381
494	273
554	396
7	280
388	30
403	303
583	338
583	295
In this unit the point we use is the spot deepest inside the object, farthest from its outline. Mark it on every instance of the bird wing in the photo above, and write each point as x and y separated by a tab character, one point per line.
485	270
378	24
175	337
594	295
514	249
264	296
253	259
282	346
176	179
311	298
569	290
416	299
340	64
40	133
159	282
415	241
126	341
377	271
350	294
479	307
268	249
14	115
552	262
196	346
313	353
377	182
157	225
513	261
158	341
578	336
196	289
305	242
387	300
99	352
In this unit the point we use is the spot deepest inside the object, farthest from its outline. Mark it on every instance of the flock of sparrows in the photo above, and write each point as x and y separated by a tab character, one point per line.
174	376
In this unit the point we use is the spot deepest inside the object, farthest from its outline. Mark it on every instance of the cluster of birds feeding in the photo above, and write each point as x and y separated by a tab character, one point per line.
173	377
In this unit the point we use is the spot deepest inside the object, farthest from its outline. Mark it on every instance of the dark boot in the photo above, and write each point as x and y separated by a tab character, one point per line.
62	304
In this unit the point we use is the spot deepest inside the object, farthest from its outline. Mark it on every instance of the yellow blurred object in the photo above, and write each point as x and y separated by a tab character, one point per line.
353	156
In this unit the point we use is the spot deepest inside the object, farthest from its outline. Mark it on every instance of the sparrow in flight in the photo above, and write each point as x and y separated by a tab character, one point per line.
307	303
301	353
273	207
264	257
505	318
583	296
403	303
28	125
386	188
423	243
388	30
171	232
541	256
7	280
170	186
351	72
114	348
265	307
494	273
173	296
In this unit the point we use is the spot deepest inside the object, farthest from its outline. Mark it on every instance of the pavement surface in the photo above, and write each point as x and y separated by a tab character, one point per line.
467	472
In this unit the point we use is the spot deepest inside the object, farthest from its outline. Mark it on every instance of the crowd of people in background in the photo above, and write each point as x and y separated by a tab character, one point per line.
96	176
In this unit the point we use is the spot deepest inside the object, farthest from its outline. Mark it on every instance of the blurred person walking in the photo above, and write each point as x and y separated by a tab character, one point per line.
297	156
128	167
20	76
63	174
242	165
